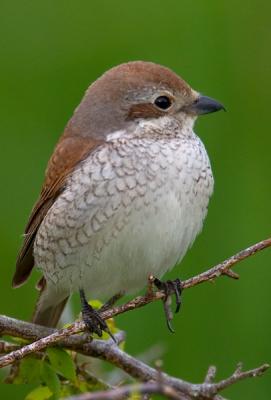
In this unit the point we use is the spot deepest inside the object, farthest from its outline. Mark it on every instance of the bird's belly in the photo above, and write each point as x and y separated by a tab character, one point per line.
151	241
149	237
114	227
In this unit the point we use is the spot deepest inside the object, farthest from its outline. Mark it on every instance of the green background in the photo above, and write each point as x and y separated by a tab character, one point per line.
50	52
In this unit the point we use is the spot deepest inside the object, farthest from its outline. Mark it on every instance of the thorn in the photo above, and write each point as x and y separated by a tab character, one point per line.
211	373
238	368
151	280
231	274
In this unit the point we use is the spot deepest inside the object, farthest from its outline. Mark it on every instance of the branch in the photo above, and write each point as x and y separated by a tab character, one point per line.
110	352
224	268
6	347
61	334
123	392
140	301
239	375
83	344
144	373
164	385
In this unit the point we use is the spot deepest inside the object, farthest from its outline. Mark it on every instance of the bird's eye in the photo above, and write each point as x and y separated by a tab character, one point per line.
163	102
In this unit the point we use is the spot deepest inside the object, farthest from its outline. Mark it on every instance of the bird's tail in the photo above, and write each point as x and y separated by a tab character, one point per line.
48	313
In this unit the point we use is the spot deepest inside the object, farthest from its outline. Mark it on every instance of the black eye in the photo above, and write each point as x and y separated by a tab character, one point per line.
163	102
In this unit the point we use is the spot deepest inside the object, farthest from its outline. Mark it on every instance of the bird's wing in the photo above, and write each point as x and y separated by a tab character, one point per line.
69	151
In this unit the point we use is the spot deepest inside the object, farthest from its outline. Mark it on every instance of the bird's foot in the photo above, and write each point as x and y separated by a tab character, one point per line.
170	288
92	319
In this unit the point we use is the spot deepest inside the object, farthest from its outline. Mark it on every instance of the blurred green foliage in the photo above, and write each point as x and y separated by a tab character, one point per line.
50	52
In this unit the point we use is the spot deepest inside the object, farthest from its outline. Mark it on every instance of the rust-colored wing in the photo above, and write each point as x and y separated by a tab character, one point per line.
69	151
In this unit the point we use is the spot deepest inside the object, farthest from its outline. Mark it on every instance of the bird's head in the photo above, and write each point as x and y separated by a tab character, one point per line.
135	91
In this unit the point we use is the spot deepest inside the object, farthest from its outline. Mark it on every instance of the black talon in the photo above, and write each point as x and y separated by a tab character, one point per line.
159	284
92	318
178	292
168	313
170	287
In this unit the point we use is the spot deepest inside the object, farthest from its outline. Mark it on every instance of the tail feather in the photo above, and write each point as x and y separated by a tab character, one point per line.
50	315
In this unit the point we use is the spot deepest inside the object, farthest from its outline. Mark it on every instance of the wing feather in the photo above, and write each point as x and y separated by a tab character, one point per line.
69	151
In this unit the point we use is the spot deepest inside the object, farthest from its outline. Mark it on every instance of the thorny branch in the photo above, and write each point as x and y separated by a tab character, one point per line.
106	350
140	301
161	386
110	352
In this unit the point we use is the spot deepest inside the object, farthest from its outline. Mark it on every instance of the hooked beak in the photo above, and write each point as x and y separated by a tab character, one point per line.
204	105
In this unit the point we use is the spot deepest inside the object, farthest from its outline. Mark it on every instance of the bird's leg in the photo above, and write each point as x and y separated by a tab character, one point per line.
169	288
92	318
106	306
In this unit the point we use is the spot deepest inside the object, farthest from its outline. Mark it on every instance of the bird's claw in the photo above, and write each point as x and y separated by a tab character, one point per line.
170	287
92	319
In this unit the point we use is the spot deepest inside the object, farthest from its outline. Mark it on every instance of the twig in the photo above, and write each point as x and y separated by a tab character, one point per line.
6	347
80	343
211	373
144	373
239	375
41	344
124	391
170	388
224	267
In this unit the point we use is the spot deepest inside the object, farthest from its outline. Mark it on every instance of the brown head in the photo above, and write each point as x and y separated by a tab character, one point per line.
134	90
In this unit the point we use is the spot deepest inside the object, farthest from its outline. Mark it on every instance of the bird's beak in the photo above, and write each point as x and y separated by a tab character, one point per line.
204	105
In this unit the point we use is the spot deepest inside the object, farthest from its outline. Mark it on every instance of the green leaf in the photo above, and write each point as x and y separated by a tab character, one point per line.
96	304
50	378
135	396
17	340
62	362
29	371
67	391
40	393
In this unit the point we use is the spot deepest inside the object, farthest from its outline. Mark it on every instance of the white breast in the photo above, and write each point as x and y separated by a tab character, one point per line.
131	209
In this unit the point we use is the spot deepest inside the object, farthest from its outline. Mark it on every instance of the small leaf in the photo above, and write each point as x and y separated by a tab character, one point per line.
17	340
96	304
135	396
68	390
40	393
50	378
29	371
62	362
122	345
83	386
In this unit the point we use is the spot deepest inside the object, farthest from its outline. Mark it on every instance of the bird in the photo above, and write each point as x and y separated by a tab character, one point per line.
125	194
